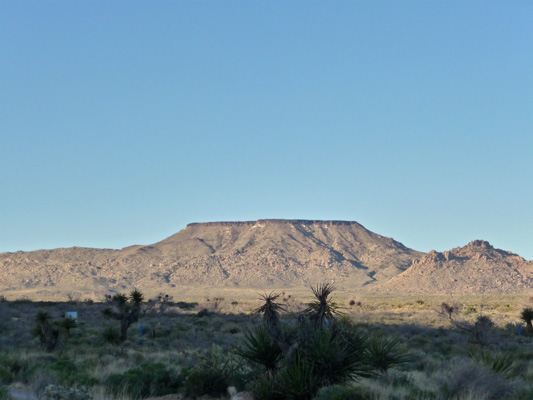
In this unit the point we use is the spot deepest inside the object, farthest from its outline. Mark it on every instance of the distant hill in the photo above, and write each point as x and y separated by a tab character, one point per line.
259	254
475	268
264	255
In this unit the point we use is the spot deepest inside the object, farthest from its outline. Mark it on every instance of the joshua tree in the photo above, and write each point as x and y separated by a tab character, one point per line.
527	316
127	310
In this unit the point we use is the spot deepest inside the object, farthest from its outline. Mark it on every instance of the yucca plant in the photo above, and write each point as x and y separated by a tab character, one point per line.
111	335
383	353
298	380
271	311
52	334
527	316
260	348
323	309
42	327
337	355
501	363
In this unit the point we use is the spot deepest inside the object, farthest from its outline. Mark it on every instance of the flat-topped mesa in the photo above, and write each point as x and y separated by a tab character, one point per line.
276	221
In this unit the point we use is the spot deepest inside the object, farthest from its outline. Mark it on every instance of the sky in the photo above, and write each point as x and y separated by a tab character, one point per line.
121	122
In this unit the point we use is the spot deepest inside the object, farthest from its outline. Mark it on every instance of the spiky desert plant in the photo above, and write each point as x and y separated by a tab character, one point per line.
42	327
501	363
323	308
527	316
127	310
52	334
297	381
260	348
383	353
111	335
337	355
271	311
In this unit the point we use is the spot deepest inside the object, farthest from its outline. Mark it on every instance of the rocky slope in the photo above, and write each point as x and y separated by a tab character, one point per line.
475	268
255	254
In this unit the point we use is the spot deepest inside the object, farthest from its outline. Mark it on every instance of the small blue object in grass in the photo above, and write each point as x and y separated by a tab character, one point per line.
519	330
141	331
72	314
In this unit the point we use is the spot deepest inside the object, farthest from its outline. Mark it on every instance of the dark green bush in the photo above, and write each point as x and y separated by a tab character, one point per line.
4	393
203	380
186	305
338	392
202	313
150	379
6	377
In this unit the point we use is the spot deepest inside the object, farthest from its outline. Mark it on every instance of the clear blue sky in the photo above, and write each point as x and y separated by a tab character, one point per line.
121	122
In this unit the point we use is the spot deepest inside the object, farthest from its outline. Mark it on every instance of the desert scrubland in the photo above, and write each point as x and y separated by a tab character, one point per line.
340	346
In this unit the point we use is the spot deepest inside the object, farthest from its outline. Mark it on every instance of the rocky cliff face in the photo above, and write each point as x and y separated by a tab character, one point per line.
475	268
254	254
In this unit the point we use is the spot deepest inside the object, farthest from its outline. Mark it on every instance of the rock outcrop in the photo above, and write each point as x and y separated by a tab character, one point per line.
475	268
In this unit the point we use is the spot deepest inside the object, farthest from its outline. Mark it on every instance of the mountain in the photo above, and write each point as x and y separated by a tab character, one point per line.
475	268
263	254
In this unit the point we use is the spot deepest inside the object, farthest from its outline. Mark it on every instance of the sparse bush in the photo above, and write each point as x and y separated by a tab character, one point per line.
204	312
463	379
149	379
53	392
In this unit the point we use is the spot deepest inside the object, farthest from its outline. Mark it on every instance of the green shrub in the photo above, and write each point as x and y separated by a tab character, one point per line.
338	392
147	380
53	392
6	377
202	313
203	380
266	389
186	305
4	393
